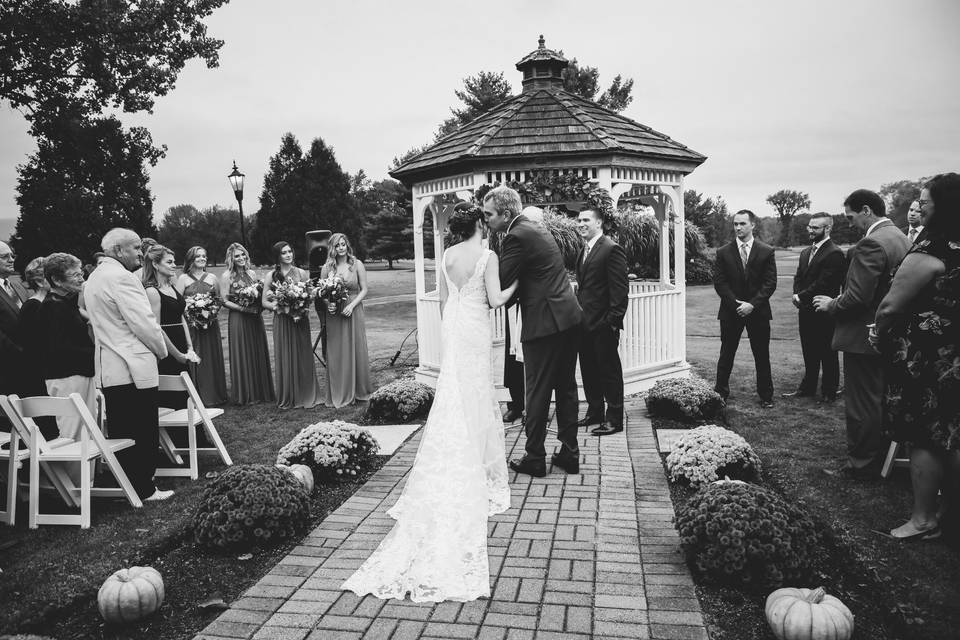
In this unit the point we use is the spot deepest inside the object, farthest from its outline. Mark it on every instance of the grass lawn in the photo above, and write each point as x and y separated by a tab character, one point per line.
50	576
913	588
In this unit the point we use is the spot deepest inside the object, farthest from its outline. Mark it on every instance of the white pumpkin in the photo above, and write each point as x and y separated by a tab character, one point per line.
130	595
302	473
808	614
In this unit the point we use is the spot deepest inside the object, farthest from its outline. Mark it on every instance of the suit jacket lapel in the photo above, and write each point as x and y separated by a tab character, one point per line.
5	297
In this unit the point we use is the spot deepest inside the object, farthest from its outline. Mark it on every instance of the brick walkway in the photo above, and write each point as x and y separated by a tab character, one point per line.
578	556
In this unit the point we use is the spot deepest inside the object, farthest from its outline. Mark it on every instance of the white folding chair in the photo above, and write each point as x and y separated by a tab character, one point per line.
14	454
894	459
57	457
193	416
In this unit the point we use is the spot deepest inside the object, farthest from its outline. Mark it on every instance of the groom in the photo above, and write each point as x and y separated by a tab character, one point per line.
550	333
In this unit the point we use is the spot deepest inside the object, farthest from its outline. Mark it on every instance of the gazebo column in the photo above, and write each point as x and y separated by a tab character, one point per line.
420	205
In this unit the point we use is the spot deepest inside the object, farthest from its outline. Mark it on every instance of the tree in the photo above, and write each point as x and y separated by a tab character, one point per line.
709	215
585	82
898	196
389	234
85	178
787	203
214	229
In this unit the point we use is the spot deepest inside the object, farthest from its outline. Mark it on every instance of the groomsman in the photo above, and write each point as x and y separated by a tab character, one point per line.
745	278
914	221
602	293
12	297
872	261
819	272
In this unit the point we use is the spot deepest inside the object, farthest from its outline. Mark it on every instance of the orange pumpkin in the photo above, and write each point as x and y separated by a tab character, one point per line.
808	614
130	595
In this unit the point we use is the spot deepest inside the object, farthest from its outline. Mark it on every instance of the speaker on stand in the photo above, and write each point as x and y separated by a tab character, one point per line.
317	250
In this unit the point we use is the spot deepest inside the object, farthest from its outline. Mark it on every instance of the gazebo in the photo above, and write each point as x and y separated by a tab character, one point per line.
546	131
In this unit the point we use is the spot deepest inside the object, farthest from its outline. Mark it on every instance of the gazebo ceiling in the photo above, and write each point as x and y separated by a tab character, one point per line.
543	123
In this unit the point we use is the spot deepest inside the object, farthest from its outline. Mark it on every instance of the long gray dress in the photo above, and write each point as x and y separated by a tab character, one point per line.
210	375
250	379
296	367
348	364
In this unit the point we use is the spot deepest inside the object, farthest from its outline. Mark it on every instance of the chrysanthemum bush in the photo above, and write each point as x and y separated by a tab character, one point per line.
400	401
708	453
684	398
250	505
746	535
333	450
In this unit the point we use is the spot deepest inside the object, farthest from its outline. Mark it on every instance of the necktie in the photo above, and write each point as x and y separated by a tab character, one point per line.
912	235
743	254
813	250
586	253
9	291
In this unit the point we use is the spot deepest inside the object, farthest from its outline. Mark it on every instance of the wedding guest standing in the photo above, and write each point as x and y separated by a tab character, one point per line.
159	273
30	374
250	379
209	374
66	353
918	331
12	297
348	365
296	369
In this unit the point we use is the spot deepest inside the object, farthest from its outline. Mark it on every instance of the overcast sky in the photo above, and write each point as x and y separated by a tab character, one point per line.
816	95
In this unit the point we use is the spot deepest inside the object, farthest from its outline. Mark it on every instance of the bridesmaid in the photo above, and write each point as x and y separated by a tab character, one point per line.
297	385
210	376
250	379
348	365
159	273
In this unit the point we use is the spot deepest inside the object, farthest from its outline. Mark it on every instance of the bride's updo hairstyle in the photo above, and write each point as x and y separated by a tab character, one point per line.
463	222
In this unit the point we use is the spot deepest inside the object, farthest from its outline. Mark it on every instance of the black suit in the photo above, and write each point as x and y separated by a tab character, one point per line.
822	275
512	368
11	342
551	320
602	294
754	283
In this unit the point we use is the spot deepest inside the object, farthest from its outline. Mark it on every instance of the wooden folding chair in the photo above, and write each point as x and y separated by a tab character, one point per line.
14	454
892	460
193	416
56	457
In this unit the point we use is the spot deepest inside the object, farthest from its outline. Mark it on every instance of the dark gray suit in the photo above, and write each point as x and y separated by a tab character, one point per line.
820	276
11	345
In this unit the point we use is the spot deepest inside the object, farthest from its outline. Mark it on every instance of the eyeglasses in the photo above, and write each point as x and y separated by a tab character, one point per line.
8	256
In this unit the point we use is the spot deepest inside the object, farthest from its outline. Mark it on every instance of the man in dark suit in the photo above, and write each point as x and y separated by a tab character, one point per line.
12	297
872	261
745	277
551	319
602	294
819	272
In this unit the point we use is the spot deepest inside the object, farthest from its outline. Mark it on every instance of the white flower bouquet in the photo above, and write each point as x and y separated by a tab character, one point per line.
332	289
201	310
709	453
333	450
293	298
246	294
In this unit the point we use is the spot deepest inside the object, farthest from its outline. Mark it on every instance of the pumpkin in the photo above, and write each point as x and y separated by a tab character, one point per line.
130	595
302	473
808	614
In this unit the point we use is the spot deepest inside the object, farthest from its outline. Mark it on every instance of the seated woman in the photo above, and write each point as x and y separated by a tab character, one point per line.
31	375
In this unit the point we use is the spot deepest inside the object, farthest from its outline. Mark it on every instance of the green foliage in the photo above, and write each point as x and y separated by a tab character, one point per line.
788	203
639	235
400	401
302	192
684	399
742	534
250	505
585	82
710	216
389	234
333	450
699	271
86	177
710	453
214	229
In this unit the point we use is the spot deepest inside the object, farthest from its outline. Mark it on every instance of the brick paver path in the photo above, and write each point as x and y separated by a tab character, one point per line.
577	556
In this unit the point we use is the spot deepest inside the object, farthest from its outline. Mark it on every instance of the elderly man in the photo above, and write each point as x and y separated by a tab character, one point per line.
12	297
128	344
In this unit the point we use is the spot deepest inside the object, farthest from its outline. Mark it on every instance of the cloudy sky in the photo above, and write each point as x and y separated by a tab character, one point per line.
816	95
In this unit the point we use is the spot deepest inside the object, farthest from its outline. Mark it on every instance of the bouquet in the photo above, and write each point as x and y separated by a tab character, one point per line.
293	298
246	295
332	289
201	310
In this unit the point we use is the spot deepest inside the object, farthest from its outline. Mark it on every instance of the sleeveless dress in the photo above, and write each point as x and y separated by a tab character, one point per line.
210	375
296	367
250	379
437	549
922	358
171	321
348	364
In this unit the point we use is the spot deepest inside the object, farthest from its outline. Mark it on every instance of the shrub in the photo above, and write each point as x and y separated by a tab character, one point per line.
746	535
333	450
684	398
708	453
400	401
699	271
250	505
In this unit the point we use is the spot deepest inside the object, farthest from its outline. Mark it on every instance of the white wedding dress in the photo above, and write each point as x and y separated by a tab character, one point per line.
437	549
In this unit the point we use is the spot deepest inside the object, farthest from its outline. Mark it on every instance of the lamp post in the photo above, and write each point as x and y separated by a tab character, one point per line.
236	181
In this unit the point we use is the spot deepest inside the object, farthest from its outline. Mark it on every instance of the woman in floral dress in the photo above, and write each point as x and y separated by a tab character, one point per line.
917	331
209	374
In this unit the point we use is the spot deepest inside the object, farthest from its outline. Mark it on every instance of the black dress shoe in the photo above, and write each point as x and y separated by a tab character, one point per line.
512	415
797	394
566	461
586	422
766	404
607	429
535	468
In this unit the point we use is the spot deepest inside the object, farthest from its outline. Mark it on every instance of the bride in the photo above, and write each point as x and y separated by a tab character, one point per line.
437	549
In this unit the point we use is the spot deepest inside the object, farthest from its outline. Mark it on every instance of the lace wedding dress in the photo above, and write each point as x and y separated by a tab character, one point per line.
437	549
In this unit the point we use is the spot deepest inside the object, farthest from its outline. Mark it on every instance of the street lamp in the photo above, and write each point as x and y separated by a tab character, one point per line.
236	181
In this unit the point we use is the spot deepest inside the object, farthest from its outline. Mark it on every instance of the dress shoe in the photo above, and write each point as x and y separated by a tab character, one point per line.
766	404
586	422
566	461
159	495
797	394
607	429
535	468
512	415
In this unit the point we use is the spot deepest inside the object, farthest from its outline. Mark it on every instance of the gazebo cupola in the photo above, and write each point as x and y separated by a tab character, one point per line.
542	68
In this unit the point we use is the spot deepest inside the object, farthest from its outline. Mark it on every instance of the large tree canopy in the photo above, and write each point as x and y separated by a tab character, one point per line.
788	203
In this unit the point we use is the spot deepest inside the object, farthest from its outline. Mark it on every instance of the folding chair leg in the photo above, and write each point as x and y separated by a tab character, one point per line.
887	468
217	442
85	482
34	483
166	443
192	444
